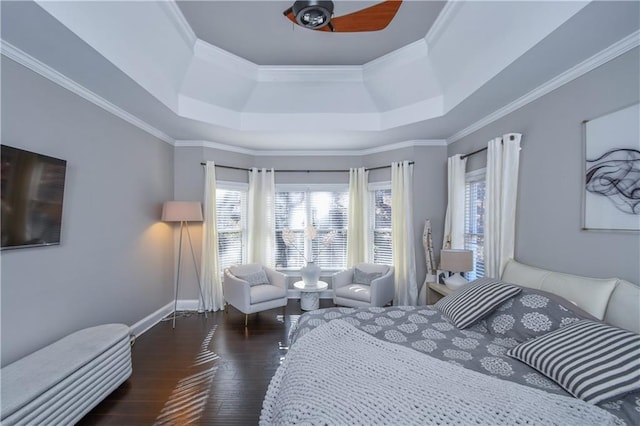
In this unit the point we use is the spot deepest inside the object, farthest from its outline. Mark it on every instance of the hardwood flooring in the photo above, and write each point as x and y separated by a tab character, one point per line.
205	371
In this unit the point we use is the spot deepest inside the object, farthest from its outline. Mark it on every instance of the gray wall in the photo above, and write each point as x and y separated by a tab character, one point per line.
548	233
429	185
115	262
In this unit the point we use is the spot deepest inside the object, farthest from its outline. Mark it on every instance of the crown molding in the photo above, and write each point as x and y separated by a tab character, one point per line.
28	61
600	58
404	55
174	13
220	57
213	145
313	73
447	13
300	153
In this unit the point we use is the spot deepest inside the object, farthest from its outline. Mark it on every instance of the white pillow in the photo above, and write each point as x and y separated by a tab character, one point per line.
255	278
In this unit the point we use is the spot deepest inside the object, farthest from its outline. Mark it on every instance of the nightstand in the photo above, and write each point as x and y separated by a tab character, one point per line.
436	292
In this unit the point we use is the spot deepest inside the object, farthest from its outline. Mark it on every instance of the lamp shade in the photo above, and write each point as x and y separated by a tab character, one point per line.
178	211
456	260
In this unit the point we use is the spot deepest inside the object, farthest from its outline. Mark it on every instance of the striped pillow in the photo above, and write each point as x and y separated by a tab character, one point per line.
476	300
590	360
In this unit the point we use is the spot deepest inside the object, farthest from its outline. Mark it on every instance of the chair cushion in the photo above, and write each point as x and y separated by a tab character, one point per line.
246	269
266	292
355	292
372	267
361	277
255	278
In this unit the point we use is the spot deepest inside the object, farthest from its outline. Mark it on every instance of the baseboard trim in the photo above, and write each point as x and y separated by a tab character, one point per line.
150	320
142	326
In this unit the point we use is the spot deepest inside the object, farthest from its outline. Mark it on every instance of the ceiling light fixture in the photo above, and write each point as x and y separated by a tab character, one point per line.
313	14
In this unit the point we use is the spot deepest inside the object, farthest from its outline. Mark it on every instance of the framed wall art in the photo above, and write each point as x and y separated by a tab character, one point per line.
611	199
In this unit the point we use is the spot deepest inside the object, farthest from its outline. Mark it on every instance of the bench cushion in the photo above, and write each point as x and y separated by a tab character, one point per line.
31	376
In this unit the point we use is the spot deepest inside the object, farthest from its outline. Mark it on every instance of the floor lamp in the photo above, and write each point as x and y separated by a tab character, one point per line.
183	212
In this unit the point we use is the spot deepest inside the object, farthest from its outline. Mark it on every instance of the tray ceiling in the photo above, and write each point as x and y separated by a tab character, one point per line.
237	73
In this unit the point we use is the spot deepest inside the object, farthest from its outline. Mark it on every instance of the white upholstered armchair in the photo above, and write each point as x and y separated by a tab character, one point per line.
253	288
366	284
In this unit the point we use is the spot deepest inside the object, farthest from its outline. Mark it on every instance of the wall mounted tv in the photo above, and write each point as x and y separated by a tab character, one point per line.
32	189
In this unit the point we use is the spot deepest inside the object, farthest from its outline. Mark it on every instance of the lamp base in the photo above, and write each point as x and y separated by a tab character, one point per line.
455	281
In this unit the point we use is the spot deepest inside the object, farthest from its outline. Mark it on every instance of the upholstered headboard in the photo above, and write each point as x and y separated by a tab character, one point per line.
615	301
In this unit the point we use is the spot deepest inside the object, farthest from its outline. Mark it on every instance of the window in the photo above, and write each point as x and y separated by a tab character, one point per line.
231	218
380	224
474	220
325	208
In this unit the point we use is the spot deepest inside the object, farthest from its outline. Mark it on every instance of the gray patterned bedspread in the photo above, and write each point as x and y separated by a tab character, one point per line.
481	347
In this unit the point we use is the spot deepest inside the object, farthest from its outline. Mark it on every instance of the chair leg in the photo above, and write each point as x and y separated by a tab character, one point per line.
226	307
246	317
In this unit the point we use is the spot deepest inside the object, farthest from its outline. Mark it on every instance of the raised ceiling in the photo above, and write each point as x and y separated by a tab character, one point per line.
258	32
237	73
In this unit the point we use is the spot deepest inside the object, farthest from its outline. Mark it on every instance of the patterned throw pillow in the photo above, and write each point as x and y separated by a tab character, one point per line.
361	277
591	360
531	314
256	278
475	301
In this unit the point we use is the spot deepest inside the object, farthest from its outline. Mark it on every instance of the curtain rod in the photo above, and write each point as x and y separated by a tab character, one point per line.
303	171
477	151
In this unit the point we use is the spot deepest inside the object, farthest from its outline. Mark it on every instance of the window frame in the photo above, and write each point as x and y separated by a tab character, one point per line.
474	176
372	188
244	208
307	189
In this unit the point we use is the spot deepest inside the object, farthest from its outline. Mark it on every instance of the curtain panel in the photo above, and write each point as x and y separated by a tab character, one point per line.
404	259
211	281
261	217
357	229
503	159
454	216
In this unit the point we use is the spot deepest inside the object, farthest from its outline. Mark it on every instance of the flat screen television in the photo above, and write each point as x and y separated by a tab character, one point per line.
32	190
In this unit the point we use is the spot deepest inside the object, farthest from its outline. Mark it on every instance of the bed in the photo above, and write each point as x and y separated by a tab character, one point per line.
551	348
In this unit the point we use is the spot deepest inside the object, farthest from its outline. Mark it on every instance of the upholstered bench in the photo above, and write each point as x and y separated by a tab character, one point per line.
60	383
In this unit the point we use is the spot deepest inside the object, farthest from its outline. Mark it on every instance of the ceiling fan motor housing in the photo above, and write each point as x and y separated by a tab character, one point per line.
313	13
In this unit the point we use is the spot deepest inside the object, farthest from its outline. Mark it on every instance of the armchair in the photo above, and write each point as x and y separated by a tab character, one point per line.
253	288
369	285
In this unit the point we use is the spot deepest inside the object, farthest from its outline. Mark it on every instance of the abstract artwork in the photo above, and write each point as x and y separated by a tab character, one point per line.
612	171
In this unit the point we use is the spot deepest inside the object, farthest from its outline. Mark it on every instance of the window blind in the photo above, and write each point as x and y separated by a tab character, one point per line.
327	211
474	225
231	224
380	211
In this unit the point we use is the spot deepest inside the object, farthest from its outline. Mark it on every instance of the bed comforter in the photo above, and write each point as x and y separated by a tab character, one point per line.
480	348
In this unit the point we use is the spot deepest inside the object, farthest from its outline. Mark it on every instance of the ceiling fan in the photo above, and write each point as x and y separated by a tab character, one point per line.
318	15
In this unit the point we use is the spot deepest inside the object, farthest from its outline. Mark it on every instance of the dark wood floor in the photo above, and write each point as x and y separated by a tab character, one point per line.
206	371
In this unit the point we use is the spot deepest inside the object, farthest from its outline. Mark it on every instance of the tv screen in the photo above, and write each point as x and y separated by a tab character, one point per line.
32	189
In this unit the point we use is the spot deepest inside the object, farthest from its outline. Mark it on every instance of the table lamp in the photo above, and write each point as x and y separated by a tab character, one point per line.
456	261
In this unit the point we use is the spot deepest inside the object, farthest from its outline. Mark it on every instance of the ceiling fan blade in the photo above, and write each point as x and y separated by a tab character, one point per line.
373	18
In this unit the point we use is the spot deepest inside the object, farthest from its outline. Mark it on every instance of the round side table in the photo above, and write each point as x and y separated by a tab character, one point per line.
310	295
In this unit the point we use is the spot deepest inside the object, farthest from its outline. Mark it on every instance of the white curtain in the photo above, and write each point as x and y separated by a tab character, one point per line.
503	157
211	282
357	224
402	231
454	217
261	217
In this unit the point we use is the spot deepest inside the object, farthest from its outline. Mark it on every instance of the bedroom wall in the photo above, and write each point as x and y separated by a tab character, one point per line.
429	184
115	261
548	233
